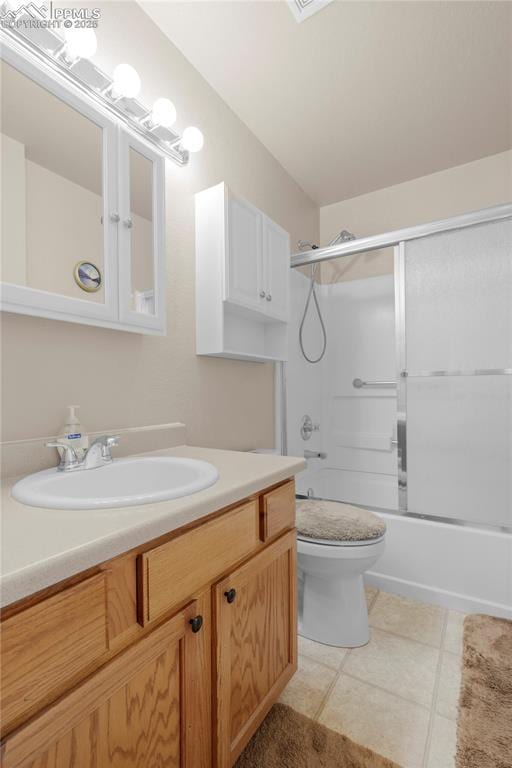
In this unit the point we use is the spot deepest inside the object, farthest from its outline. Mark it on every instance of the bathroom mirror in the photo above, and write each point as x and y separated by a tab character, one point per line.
52	189
82	206
141	217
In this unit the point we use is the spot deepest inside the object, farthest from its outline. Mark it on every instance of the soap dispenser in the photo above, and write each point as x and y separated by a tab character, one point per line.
72	433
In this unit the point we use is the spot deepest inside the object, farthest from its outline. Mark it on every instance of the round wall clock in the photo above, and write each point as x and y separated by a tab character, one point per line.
87	276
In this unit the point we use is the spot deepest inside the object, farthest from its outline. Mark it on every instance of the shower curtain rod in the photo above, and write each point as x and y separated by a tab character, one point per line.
376	242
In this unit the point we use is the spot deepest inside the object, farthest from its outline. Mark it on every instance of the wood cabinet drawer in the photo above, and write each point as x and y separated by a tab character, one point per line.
278	510
46	647
174	571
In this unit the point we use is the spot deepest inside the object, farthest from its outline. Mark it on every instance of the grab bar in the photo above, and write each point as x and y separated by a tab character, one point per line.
359	384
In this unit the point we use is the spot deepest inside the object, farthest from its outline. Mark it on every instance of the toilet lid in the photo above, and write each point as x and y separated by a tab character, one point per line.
334	521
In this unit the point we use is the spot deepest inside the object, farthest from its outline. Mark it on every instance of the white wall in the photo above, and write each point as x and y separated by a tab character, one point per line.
356	426
480	184
12	211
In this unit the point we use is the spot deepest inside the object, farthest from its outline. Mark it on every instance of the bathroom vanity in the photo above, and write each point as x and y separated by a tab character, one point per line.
169	653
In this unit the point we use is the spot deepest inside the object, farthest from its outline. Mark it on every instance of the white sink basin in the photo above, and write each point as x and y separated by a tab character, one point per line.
124	483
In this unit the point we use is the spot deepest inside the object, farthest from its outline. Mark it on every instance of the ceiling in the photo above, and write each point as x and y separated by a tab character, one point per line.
362	95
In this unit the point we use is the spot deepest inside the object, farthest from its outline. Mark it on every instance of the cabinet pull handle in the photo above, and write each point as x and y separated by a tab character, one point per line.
196	623
128	223
230	595
269	297
263	294
115	217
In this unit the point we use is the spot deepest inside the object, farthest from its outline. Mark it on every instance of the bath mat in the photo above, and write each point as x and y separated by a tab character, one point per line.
287	739
484	730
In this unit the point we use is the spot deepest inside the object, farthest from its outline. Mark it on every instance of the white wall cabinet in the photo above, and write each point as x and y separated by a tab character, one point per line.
242	279
93	193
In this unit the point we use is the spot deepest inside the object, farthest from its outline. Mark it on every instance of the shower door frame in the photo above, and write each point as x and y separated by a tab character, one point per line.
397	241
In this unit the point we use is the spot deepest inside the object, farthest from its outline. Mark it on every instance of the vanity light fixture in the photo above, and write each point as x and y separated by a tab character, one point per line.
71	57
163	113
126	82
80	44
192	139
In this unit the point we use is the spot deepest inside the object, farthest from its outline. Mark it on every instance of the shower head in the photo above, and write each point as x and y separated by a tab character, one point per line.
342	237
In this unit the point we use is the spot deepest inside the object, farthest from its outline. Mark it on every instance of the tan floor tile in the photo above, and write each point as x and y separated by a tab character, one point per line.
385	723
454	632
398	665
449	686
371	593
417	621
443	744
307	688
325	654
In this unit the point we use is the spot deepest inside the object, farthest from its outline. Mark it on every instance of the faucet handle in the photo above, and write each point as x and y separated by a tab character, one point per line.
111	440
69	458
106	442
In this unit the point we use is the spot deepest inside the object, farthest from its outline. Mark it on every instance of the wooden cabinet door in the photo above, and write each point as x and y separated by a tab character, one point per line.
276	246
145	708
255	644
244	254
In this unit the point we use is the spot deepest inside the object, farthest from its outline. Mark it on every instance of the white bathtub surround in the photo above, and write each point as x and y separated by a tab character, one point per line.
457	566
62	543
357	426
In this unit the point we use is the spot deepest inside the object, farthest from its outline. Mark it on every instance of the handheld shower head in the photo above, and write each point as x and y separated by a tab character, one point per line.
342	237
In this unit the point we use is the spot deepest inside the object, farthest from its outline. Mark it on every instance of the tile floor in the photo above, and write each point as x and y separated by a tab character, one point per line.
398	694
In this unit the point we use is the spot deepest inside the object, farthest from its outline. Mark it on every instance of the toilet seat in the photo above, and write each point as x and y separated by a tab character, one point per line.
335	523
337	543
341	550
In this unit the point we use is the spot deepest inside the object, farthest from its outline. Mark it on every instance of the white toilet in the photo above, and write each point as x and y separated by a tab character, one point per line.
336	544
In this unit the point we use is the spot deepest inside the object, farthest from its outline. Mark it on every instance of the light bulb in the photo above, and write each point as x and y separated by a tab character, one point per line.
126	81
164	113
80	43
192	139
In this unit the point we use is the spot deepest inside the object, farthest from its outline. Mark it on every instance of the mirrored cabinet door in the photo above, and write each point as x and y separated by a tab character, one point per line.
58	199
141	235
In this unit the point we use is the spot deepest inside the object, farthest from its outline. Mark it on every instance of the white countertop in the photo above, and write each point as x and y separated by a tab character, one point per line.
41	547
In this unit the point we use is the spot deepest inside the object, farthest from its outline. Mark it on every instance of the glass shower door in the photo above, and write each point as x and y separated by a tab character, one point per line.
454	344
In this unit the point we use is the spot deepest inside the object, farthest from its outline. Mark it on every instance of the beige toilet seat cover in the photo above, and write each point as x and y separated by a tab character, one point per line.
334	521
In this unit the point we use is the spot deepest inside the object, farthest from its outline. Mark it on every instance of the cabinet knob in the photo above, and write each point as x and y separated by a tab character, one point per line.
115	217
230	595
263	294
128	223
196	623
269	297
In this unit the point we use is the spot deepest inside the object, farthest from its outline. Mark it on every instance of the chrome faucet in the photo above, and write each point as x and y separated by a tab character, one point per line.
99	454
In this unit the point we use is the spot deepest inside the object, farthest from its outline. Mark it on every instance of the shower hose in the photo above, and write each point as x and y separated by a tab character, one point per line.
312	293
